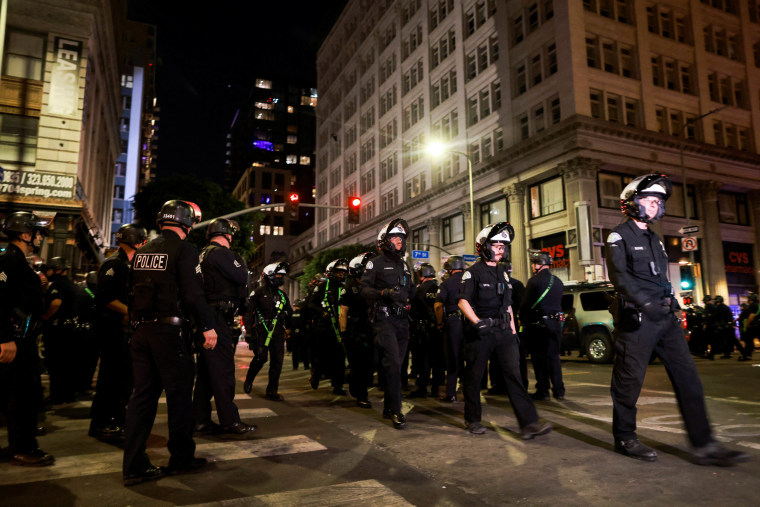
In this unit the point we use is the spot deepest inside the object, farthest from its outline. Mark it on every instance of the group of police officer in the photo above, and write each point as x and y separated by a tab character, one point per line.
163	301
713	328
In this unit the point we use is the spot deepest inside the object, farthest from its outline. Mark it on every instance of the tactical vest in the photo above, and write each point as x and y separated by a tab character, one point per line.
155	289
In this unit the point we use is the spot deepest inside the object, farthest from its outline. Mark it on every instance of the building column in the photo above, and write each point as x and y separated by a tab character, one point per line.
434	231
754	198
516	197
713	266
469	234
580	175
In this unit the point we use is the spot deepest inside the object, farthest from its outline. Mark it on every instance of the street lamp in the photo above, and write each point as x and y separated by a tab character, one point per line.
437	149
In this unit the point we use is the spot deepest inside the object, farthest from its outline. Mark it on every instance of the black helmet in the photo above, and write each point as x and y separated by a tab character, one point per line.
718	300
221	227
501	232
707	298
23	221
657	185
396	227
539	257
91	280
357	264
455	262
182	213
131	235
426	270
337	265
58	264
271	271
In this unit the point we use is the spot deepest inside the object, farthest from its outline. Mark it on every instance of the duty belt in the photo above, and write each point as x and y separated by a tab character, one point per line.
554	316
224	305
393	310
452	313
171	320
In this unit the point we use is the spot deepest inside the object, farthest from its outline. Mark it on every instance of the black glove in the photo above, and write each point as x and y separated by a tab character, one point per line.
393	294
655	312
484	326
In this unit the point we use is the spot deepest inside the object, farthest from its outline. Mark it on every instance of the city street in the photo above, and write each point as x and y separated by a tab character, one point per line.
319	449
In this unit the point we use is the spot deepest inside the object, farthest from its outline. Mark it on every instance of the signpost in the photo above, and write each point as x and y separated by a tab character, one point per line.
470	258
689	229
688	244
420	254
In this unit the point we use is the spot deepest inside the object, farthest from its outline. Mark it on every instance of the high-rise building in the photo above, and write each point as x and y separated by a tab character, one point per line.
556	105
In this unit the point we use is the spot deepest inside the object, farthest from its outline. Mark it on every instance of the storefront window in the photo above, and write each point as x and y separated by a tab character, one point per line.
554	245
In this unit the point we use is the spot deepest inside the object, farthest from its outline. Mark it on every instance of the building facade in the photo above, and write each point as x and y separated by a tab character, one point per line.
556	105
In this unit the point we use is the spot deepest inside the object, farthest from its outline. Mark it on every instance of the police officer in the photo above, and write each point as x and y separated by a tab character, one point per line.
225	277
724	328
387	287
485	300
59	332
356	331
267	320
646	323
166	289
428	352
328	354
298	336
450	321
710	342
20	310
751	326
109	406
541	314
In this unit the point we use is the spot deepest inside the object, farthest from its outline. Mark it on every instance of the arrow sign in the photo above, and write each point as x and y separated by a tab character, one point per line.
689	229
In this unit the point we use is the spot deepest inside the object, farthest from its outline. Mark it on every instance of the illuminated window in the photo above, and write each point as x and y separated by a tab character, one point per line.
291	159
290	109
308	101
292	139
305	160
263	145
264	83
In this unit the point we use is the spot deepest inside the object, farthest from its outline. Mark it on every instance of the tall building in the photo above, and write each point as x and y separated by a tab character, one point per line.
59	118
556	105
138	124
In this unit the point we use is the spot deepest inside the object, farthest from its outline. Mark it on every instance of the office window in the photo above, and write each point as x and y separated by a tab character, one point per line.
18	139
610	186
493	212
291	159
263	83
25	54
547	198
733	208
453	229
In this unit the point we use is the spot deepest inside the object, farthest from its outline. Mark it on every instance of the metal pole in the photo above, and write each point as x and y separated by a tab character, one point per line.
264	207
472	201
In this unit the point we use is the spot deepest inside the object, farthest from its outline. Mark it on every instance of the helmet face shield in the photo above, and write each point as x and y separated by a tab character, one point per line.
496	234
397	228
357	265
644	187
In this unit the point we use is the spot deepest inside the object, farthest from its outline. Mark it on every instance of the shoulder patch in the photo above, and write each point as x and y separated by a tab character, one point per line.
3	277
198	269
236	263
110	272
466	276
614	237
370	265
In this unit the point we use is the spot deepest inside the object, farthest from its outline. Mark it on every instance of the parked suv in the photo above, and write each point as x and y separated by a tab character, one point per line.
593	333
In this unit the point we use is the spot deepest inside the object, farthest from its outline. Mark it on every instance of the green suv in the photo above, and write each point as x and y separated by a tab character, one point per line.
590	331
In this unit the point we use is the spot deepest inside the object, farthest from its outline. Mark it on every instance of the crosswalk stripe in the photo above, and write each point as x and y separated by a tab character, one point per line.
369	492
110	462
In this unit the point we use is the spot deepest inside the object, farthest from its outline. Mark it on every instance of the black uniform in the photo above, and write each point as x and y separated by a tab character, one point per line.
494	370
751	328
358	340
167	288
20	310
225	277
297	345
390	318
115	381
268	315
448	295
541	315
428	349
328	356
488	291
59	336
724	329
710	333
638	267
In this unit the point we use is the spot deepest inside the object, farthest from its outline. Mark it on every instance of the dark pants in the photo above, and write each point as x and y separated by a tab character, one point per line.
633	350
428	357
19	398
109	406
453	352
87	357
274	353
216	377
60	360
544	343
392	338
329	357
299	350
161	360
477	349
360	351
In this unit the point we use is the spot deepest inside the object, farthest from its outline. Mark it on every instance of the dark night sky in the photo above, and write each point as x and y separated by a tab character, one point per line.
208	58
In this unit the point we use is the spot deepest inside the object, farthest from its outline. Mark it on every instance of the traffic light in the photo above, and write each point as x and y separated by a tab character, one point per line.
354	203
687	277
293	204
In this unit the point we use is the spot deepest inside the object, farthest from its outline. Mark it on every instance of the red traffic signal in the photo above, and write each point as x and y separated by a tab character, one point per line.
354	203
293	199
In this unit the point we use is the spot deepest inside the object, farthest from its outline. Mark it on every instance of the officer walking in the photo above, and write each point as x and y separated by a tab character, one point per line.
428	352
329	356
20	310
268	319
485	297
541	314
646	323
450	321
109	406
225	278
356	331
166	289
387	287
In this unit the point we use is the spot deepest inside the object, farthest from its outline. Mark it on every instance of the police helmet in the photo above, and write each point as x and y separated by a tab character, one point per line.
91	280
337	265
182	213
501	232
58	264
271	271
426	270
131	235
752	297
657	185
357	264
718	300
23	221
707	298
455	262
396	227
221	227
540	257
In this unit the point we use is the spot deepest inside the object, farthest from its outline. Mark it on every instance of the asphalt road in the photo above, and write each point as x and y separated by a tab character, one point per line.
319	449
